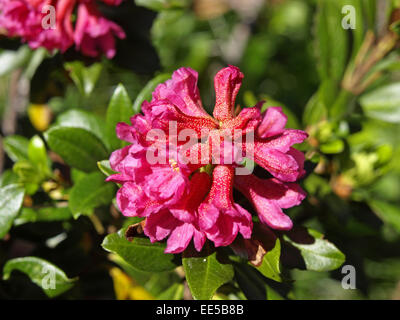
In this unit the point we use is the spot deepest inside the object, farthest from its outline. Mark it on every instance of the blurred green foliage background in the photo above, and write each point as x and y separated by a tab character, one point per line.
341	86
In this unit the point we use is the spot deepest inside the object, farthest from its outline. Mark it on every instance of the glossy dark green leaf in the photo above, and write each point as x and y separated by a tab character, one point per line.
90	192
383	103
250	282
119	110
78	147
205	273
76	118
140	253
16	147
146	92
47	214
76	175
321	255
46	275
270	266
272	294
11	198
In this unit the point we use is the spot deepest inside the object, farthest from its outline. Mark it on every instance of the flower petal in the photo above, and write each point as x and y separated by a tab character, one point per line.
182	91
227	83
268	196
159	225
281	165
179	238
273	123
284	140
133	202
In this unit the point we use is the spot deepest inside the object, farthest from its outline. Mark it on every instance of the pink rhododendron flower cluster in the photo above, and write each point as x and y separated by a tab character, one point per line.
92	33
190	195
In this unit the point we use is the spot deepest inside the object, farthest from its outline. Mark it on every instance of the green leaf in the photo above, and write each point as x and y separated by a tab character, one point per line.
85	78
205	273
46	275
388	212
332	42
28	175
11	198
76	118
78	147
172	33
8	177
16	147
90	192
145	93
270	266
272	294
315	110
119	110
37	154
43	215
159	5
383	103
104	167
174	292
332	147
140	253
35	60
321	255
250	282
11	60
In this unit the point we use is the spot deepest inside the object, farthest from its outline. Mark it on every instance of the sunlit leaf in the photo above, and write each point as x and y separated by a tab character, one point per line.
16	147
76	118
105	167
140	253
119	110
11	60
205	273
43	215
89	193
11	198
78	147
46	275
383	103
270	266
321	255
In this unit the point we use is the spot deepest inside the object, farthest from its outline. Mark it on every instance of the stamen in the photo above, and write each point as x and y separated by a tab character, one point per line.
174	165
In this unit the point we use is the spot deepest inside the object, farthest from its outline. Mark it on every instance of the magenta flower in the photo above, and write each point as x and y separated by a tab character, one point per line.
23	18
189	195
95	34
92	34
